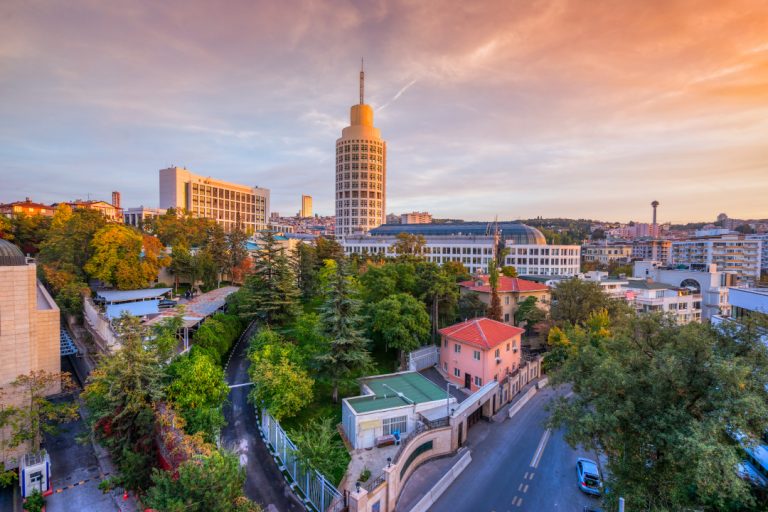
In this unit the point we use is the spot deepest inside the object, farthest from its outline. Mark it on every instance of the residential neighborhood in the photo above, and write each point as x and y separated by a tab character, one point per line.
503	278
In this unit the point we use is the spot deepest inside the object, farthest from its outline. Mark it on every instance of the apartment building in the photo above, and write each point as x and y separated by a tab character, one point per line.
416	218
763	237
651	297
136	216
26	207
656	250
730	252
606	253
512	291
226	203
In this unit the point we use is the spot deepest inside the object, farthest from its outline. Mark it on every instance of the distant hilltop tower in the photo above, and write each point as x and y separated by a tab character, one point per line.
361	171
654	225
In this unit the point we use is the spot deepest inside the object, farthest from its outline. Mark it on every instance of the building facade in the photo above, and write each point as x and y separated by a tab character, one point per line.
605	254
110	212
655	250
226	203
29	332
730	252
470	244
26	207
306	206
361	172
416	218
651	297
512	291
763	237
136	216
479	351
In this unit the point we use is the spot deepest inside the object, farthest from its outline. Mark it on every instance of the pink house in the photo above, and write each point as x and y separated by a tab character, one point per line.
479	351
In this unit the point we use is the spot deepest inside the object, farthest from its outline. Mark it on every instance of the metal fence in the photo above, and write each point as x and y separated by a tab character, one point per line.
318	493
423	357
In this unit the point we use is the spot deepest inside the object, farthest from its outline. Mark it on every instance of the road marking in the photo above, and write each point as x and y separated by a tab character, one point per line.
233	386
540	450
530	477
520	502
514	500
526	488
520	487
569	395
526	476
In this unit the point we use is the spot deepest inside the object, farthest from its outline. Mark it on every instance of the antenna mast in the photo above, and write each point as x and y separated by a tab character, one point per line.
362	81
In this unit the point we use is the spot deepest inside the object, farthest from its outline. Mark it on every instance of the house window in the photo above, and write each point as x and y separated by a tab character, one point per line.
476	355
445	343
506	300
506	317
457	348
498	352
445	366
478	381
397	424
507	347
456	372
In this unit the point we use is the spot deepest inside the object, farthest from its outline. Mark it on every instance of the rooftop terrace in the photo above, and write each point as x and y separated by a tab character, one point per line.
396	390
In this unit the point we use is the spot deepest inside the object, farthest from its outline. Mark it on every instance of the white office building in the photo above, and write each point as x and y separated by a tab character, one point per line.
730	252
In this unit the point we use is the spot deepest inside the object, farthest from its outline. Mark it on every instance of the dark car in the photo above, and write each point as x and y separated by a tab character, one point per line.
589	477
167	303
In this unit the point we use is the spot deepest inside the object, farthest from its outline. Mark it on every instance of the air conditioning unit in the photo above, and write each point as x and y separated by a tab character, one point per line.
498	360
514	349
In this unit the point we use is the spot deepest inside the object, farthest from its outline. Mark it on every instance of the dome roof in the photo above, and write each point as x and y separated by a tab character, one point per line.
515	232
10	255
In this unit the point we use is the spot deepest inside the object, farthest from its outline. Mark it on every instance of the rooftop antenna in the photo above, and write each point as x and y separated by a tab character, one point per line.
362	81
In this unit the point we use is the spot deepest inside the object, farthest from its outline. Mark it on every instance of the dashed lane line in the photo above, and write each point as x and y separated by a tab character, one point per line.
540	449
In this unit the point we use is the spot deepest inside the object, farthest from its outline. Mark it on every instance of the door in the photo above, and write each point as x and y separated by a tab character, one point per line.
467	381
369	438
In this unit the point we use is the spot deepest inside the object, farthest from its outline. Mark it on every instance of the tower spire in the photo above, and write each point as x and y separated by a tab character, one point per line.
362	81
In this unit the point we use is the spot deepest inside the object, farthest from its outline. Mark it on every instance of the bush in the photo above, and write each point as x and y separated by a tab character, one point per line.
218	334
35	502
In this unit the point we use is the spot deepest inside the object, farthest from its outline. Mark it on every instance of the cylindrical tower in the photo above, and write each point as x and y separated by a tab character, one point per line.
361	172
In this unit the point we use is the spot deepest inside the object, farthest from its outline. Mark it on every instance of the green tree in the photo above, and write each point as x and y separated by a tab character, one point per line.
120	394
320	447
197	390
347	352
237	250
456	270
270	292
217	335
470	306
279	382
205	483
658	401
509	271
408	245
574	299
36	414
400	322
439	292
29	231
527	311
307	267
494	310
217	251
6	228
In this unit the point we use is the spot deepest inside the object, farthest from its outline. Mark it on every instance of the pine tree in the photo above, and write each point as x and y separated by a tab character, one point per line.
494	311
347	352
271	293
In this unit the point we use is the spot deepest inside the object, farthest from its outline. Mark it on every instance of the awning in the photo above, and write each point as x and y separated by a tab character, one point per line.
116	296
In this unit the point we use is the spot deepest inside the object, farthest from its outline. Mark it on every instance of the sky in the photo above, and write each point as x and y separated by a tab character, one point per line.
515	109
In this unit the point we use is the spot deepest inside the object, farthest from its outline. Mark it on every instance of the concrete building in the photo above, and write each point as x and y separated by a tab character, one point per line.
763	237
471	244
745	302
226	203
652	297
136	216
710	283
392	218
652	249
512	291
306	206
614	287
416	218
26	207
606	253
111	212
730	252
391	404
478	351
29	332
361	172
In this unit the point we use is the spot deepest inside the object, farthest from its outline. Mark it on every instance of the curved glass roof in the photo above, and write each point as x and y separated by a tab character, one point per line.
515	232
10	255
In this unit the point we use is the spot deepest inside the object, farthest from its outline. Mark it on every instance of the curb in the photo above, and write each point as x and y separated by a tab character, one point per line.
445	481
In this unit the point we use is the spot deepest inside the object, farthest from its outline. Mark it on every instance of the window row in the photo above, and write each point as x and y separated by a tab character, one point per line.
363	193
362	166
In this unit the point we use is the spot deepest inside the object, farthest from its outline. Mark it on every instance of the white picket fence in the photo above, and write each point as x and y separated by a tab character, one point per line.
423	357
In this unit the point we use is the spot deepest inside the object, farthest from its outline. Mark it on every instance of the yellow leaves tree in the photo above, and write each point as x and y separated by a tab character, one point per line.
125	258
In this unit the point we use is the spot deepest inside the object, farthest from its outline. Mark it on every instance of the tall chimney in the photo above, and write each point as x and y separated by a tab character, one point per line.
116	200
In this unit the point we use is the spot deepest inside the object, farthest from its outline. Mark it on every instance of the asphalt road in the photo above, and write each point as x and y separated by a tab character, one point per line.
264	483
518	466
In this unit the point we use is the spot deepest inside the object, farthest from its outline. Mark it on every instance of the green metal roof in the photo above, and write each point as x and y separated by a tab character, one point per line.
414	387
645	285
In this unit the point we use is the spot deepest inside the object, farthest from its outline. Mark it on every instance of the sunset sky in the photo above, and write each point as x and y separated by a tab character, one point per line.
518	109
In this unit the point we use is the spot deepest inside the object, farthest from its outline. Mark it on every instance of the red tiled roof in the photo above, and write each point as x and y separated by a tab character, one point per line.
506	284
482	332
27	204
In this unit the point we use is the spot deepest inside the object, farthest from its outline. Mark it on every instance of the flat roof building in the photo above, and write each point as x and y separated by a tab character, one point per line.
226	203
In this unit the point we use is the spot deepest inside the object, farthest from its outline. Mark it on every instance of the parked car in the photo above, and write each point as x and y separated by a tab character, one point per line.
167	303
589	477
